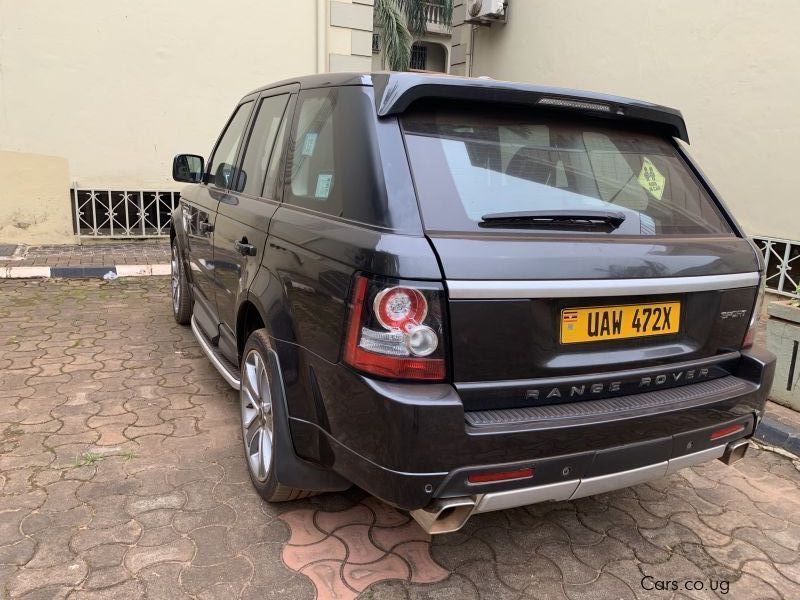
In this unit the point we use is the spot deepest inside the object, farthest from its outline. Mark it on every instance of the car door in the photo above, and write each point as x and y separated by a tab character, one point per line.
244	213
201	213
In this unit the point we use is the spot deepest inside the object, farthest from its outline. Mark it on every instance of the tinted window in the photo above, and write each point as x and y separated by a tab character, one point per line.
333	165
469	163
259	146
221	166
275	161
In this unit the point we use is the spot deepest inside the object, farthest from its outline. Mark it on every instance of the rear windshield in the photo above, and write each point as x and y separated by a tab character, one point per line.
468	165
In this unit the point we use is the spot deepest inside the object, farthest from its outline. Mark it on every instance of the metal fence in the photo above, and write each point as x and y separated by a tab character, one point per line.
122	214
779	256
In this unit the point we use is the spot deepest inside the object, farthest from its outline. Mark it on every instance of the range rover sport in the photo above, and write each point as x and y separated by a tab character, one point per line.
465	295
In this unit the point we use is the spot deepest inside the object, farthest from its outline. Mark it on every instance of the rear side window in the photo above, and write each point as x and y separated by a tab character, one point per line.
260	145
470	164
333	166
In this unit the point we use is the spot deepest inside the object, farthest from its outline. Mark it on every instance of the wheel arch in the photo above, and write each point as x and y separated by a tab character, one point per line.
177	233
249	318
290	469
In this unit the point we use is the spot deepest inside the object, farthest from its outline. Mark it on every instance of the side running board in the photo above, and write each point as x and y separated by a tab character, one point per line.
229	372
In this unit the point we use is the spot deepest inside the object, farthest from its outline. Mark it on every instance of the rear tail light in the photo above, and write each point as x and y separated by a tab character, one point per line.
395	330
750	337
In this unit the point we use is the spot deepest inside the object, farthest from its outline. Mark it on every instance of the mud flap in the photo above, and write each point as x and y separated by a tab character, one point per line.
291	470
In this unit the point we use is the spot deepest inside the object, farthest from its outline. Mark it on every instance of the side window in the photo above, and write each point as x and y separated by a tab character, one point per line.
333	165
313	172
260	145
221	166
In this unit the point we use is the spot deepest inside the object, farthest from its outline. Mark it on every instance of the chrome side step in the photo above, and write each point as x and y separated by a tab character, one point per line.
219	362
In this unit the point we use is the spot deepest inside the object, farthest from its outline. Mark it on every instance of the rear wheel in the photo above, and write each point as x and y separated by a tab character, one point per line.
181	295
258	431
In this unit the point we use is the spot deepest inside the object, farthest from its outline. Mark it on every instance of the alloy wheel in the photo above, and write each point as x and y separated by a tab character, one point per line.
257	428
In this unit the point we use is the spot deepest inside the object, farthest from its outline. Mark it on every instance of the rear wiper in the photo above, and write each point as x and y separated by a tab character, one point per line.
549	218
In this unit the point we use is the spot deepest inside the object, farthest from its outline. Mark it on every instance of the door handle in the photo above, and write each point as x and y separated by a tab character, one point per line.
244	248
206	227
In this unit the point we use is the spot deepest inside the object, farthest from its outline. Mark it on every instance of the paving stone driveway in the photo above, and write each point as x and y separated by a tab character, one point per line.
121	475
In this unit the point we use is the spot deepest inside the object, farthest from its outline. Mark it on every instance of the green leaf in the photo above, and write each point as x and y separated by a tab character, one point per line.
396	37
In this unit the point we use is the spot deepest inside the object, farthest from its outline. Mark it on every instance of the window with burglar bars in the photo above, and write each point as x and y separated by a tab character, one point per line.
779	257
122	214
376	43
419	57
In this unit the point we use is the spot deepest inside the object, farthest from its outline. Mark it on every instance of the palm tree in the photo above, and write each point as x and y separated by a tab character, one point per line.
400	22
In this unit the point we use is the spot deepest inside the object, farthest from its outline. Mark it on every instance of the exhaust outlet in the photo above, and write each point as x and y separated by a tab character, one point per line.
444	515
735	451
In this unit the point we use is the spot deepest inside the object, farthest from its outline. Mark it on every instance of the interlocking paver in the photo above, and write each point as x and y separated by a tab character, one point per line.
99	253
121	475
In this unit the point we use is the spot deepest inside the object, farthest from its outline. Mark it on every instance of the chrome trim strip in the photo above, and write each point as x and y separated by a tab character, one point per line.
460	289
579	488
696	458
212	356
617	481
562	490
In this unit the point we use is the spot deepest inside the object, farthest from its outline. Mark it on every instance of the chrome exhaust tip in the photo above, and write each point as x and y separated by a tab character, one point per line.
444	515
735	451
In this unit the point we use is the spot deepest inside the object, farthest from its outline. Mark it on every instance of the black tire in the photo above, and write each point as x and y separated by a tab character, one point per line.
181	293
255	401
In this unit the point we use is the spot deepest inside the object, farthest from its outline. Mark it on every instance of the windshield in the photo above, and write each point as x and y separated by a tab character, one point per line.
468	164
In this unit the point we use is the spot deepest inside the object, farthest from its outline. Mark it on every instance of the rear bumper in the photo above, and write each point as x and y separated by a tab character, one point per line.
412	444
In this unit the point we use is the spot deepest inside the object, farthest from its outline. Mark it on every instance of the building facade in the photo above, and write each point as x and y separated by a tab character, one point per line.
429	53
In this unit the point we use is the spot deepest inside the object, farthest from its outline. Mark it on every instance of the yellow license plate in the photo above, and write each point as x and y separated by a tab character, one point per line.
619	322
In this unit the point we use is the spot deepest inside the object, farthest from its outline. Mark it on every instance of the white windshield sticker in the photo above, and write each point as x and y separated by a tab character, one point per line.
324	181
309	143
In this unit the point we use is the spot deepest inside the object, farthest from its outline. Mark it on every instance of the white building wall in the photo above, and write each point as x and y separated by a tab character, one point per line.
115	88
119	87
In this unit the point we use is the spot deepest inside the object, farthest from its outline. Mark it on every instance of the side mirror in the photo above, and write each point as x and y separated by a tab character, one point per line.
188	168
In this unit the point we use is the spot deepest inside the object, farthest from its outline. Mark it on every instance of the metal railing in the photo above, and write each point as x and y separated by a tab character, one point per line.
122	214
779	257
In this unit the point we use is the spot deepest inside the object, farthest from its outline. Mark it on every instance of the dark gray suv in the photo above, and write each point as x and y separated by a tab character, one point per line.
465	295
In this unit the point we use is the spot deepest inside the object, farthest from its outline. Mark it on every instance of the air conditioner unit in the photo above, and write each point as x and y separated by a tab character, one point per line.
485	10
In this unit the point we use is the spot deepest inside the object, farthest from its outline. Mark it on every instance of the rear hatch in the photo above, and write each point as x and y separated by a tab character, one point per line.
583	258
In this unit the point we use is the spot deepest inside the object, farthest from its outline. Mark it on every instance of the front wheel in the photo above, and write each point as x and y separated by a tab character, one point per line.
258	430
181	295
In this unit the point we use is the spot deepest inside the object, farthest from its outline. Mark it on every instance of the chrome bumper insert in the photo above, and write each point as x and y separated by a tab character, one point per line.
445	515
580	488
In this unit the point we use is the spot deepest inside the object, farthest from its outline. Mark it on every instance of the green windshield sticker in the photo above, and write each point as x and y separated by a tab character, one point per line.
651	179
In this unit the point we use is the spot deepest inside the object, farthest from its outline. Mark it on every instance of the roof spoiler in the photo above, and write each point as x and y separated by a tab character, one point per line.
395	92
